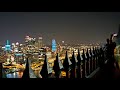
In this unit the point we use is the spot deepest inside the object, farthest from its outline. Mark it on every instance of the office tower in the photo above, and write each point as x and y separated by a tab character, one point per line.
27	38
7	46
40	42
54	45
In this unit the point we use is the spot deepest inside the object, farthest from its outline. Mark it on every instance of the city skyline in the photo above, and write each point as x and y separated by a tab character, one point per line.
71	27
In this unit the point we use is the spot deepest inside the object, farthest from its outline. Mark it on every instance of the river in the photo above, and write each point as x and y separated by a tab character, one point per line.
15	75
19	74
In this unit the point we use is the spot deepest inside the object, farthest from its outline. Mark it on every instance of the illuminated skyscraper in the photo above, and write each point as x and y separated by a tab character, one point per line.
40	43
7	46
53	45
27	39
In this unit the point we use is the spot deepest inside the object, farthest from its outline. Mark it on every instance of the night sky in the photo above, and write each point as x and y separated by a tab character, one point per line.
72	27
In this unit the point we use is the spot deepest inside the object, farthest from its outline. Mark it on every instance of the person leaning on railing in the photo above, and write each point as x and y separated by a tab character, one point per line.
110	46
107	49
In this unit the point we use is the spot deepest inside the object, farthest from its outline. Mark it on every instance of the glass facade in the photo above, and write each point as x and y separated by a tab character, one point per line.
53	45
7	46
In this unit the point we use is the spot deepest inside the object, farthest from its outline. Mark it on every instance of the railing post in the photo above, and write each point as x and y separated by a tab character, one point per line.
57	67
94	59
83	65
98	51
46	72
26	71
91	61
79	65
97	64
74	66
87	63
67	66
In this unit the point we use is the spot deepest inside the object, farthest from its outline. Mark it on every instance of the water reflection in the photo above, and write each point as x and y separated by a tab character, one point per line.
15	75
19	74
37	73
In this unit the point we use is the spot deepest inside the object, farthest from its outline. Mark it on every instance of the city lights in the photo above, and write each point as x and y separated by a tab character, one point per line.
58	45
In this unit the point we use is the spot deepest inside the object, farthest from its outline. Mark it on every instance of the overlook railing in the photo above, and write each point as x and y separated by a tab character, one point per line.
80	66
83	65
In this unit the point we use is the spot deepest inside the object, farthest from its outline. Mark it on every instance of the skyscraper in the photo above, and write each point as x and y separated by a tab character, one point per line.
40	42
7	46
53	45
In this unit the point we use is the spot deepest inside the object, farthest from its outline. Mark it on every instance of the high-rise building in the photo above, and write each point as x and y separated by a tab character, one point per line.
40	42
54	45
7	46
27	38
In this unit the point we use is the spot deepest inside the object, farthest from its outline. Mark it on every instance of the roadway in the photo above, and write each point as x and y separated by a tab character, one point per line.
37	65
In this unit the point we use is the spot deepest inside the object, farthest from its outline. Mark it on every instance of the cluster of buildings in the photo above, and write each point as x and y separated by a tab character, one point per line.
35	49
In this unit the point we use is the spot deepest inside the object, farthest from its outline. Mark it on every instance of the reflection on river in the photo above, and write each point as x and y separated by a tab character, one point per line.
15	75
19	74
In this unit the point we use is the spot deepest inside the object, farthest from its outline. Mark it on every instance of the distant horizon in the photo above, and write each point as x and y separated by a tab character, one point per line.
71	27
57	43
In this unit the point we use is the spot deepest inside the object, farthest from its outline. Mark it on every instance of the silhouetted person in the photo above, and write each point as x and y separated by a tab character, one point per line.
101	59
113	46
97	56
111	52
110	46
107	49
